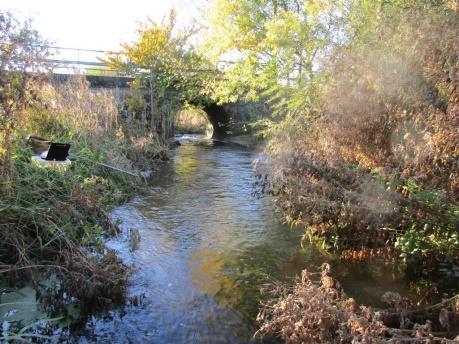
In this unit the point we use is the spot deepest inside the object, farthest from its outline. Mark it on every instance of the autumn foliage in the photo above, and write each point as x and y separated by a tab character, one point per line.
373	165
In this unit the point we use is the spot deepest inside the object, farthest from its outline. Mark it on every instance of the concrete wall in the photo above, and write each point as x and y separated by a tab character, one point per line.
240	114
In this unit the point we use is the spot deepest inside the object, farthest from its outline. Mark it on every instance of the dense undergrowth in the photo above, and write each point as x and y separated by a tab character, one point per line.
371	168
316	310
54	222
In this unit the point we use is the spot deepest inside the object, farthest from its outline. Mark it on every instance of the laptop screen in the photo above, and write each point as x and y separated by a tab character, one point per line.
58	151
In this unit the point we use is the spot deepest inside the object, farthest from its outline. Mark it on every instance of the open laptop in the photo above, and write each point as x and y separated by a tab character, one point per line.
57	152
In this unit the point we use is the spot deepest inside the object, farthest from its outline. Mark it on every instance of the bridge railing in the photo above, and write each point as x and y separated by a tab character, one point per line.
65	60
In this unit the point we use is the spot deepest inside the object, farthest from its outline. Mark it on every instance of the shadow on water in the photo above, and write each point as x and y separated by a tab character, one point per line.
207	247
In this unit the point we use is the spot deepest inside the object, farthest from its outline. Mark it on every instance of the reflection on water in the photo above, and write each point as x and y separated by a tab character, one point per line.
207	246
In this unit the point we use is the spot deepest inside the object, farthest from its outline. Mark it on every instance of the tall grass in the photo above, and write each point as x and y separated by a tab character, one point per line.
56	221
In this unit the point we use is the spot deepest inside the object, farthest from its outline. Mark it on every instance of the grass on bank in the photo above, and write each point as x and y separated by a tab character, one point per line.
55	222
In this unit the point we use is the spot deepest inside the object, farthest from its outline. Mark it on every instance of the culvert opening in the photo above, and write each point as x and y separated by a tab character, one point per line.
193	120
218	118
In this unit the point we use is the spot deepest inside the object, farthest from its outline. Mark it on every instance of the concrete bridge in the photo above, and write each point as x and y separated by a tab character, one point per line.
98	81
228	119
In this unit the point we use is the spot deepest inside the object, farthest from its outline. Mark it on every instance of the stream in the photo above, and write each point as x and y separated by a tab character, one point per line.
207	249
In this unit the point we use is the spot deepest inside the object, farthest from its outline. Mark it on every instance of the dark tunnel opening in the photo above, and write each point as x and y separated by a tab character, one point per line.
219	119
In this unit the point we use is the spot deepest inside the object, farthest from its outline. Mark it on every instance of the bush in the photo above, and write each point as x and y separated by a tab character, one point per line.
320	312
377	162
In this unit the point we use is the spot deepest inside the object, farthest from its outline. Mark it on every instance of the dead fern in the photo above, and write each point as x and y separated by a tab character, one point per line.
320	312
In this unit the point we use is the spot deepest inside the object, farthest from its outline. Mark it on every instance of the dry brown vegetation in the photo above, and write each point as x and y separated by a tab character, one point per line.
371	171
316	310
376	162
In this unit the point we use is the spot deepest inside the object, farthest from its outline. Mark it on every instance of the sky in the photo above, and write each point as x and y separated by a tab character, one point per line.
98	24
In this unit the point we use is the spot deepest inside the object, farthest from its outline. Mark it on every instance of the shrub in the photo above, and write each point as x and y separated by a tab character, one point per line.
376	163
320	312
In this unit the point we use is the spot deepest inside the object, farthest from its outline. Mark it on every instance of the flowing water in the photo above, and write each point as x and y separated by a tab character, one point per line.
207	248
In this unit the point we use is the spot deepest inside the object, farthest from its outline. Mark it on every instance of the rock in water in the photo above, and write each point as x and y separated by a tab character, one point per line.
134	239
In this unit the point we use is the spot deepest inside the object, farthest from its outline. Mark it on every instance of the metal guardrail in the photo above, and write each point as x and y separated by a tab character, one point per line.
66	60
92	61
70	62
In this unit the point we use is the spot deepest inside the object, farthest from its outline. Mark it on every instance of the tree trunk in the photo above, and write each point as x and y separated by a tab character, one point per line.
152	104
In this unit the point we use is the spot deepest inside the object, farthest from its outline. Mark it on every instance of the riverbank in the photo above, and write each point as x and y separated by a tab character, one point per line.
54	223
368	165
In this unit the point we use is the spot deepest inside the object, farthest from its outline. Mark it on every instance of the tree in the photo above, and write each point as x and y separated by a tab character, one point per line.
22	56
281	42
164	63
